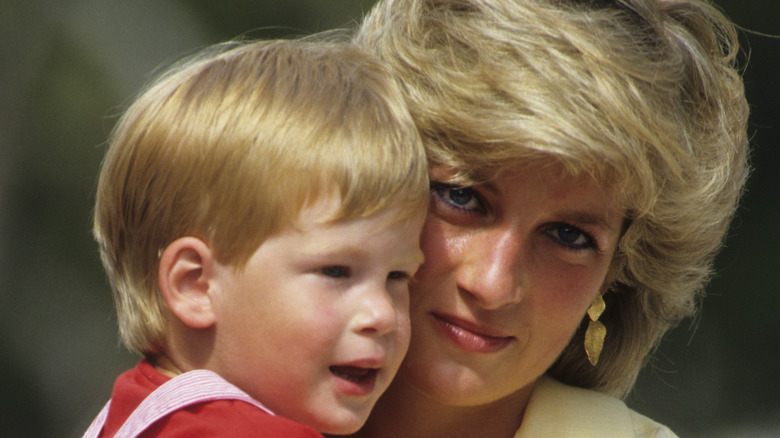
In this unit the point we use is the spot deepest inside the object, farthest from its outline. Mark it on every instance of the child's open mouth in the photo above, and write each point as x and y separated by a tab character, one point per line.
353	374
355	381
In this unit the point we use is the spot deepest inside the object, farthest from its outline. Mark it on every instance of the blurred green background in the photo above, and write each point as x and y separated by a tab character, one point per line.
68	68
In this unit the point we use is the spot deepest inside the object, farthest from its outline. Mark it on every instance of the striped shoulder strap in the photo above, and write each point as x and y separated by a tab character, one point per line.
186	389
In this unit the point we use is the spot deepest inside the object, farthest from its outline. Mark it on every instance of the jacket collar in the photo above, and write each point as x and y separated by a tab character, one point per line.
559	410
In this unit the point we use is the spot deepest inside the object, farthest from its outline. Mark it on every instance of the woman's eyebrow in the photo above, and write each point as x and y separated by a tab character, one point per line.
591	219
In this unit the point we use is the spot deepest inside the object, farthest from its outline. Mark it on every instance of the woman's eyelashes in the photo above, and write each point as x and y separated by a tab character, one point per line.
572	237
465	199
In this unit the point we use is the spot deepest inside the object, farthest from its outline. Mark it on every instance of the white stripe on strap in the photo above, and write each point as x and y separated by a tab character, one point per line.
183	390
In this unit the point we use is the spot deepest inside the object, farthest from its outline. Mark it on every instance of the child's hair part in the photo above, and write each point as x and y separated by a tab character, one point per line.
231	145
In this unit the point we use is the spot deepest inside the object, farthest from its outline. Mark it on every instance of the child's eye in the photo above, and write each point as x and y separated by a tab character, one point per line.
571	237
398	275
335	271
462	198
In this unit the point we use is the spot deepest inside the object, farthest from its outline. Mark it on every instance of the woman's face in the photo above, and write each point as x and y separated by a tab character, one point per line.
511	267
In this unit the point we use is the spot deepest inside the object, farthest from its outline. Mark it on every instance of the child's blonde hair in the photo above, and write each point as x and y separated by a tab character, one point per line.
231	145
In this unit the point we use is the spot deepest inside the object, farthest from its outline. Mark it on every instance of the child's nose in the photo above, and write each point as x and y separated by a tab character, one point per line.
377	312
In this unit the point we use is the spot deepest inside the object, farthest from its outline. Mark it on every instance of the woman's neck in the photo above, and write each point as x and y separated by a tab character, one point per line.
404	411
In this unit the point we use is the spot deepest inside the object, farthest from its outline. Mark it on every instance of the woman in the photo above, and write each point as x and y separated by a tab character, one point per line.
586	159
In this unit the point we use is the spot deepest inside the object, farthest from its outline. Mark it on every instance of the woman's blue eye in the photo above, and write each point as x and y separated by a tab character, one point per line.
335	271
463	198
571	236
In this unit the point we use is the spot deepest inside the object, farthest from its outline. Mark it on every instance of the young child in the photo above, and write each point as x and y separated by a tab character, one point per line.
258	213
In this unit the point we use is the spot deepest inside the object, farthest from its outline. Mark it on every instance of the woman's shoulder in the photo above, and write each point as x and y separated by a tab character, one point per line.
646	427
556	409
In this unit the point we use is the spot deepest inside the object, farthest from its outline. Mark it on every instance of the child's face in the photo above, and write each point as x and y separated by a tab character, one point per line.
317	323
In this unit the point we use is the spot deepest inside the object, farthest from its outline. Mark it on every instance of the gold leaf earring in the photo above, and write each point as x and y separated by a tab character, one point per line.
594	335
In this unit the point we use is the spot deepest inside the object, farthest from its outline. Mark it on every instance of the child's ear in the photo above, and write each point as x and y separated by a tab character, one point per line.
186	268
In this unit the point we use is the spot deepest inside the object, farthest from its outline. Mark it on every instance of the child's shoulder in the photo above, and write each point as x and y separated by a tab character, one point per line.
196	404
233	418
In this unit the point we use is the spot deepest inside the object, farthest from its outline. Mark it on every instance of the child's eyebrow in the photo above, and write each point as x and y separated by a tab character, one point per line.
330	250
354	252
333	254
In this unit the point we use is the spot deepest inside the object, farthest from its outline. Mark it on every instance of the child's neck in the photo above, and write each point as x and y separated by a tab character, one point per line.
404	411
165	366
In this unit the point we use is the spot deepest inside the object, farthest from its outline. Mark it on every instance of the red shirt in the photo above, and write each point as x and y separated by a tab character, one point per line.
233	418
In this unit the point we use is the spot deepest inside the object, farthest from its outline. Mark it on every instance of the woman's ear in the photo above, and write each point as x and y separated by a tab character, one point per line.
186	268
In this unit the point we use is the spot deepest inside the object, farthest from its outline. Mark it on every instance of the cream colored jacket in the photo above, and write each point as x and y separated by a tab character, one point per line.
562	411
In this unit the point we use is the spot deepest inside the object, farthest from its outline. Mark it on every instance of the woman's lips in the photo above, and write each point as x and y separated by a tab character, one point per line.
470	336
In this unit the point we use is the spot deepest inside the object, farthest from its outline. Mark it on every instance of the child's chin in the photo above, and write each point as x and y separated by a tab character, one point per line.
346	426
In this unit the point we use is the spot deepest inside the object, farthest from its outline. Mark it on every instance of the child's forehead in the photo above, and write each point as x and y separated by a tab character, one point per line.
391	233
322	208
328	208
333	216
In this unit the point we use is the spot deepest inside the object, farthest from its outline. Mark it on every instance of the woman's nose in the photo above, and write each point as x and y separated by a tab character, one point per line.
491	268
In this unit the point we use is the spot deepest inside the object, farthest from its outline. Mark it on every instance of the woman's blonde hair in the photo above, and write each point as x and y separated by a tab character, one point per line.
229	147
643	95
